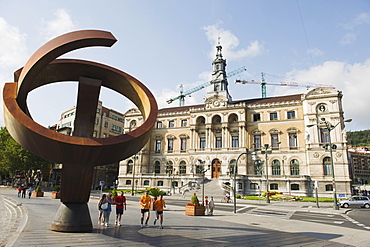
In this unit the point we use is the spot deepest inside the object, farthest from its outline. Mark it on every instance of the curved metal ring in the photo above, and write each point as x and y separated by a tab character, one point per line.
42	69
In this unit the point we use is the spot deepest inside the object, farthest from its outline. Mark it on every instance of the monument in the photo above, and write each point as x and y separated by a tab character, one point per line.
81	152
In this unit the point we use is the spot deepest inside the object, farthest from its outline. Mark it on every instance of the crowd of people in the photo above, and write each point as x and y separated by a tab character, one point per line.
22	191
105	208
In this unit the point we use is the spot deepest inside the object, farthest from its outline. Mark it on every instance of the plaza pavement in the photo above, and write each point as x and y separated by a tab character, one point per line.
26	222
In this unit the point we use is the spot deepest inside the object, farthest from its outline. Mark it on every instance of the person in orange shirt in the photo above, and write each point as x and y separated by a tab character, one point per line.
145	201
159	207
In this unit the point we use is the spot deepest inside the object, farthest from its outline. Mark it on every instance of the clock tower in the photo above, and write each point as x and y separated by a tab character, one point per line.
219	80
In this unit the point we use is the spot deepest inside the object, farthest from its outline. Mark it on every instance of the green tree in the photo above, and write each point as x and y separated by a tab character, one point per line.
14	158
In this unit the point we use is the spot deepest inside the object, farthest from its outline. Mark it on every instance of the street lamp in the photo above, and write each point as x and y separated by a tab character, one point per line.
266	152
203	170
329	127
234	185
135	157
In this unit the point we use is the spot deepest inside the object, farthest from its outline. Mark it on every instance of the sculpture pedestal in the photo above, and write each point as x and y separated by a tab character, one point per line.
72	217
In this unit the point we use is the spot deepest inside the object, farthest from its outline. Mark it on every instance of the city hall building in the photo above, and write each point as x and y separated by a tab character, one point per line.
276	141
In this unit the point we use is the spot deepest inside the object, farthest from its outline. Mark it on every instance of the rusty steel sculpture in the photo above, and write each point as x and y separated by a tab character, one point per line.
81	152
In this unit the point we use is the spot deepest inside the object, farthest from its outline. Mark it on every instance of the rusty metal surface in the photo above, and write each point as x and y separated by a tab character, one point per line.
78	154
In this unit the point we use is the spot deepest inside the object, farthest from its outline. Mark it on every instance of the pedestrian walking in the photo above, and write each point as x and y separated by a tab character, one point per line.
145	201
206	204
100	203
120	202
211	206
159	205
108	210
19	191
30	192
24	189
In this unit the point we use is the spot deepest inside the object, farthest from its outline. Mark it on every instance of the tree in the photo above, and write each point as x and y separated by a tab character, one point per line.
15	159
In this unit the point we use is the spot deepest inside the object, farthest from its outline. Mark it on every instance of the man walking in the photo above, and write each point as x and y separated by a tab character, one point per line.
145	201
159	207
120	202
211	206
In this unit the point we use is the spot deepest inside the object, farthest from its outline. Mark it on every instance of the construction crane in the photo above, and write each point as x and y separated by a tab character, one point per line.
263	84
182	95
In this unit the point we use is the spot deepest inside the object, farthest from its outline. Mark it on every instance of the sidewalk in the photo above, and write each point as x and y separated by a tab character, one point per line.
223	229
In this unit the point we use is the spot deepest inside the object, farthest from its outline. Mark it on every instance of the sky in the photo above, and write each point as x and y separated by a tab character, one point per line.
169	43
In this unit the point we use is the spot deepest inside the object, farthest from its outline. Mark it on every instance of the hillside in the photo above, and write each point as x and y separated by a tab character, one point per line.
358	138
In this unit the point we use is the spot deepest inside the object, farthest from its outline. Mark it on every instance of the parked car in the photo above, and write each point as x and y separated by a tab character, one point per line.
356	201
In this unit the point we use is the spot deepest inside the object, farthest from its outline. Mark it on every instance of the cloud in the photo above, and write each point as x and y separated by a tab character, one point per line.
61	24
362	18
12	48
230	42
351	36
315	52
351	79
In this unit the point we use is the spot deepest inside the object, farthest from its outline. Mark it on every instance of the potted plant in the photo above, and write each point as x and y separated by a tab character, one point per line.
56	194
38	192
194	208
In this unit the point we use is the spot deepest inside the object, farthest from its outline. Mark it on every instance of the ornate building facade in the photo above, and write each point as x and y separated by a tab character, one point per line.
279	138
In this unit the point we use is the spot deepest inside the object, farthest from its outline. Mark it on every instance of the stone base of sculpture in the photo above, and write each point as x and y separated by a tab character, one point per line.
72	217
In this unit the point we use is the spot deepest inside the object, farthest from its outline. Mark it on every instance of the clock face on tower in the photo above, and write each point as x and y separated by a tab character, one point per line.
216	103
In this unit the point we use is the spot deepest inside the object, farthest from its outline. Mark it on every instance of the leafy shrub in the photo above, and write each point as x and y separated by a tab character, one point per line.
38	189
57	188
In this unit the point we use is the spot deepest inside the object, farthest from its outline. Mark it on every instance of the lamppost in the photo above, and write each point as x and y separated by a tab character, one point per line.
326	125
203	170
135	157
266	152
235	169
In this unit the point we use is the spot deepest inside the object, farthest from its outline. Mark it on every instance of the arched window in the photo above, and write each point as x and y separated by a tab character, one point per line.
233	167
216	119
327	166
182	167
294	167
160	183
146	182
157	167
258	168
276	169
169	167
129	166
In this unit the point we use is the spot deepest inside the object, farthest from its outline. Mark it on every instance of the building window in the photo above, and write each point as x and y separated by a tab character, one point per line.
106	124
184	123
116	128
175	184
169	167
66	124
274	186
158	146
293	140
274	140
128	182
294	187
233	167
327	166
256	117
276	169
159	125
254	186
294	167
159	183
329	187
182	167
183	144
218	142
240	186
202	142
235	141
129	166
291	114
95	134
170	145
273	116
324	135
96	121
258	168
171	124
146	182
157	167
257	141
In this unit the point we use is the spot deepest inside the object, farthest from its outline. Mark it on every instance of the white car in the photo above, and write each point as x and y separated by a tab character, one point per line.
356	201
